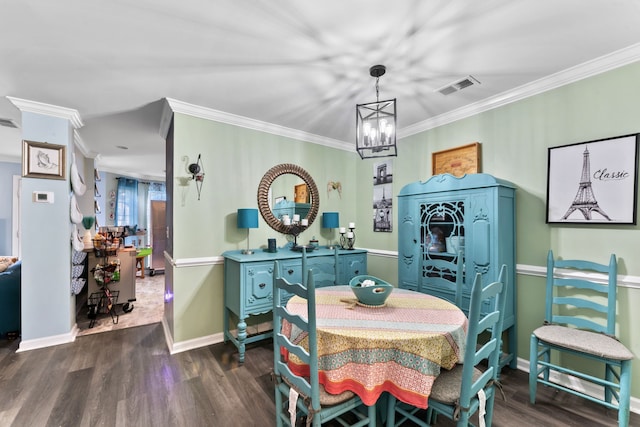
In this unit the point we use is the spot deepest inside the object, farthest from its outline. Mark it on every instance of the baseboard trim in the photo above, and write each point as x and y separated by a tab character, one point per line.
578	384
195	343
168	339
182	346
34	344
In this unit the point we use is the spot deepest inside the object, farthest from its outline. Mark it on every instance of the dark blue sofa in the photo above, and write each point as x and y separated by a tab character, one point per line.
10	301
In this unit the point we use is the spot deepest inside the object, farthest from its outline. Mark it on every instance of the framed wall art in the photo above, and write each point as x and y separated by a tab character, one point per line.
593	182
301	193
457	161
43	160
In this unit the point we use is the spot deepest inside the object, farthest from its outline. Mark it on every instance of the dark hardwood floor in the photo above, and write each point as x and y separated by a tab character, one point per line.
128	378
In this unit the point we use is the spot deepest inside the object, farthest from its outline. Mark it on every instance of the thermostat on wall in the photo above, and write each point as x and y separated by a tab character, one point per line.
43	196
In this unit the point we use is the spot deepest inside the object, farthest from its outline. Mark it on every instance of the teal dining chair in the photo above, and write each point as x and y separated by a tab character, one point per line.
313	401
466	389
580	319
443	277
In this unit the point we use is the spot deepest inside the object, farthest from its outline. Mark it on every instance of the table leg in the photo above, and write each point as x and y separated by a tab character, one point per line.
242	335
140	266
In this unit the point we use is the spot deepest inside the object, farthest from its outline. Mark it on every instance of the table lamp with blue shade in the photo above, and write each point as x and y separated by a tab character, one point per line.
247	218
330	220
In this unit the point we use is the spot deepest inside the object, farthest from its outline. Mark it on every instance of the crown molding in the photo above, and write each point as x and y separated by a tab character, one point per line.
587	69
70	114
182	107
129	174
79	143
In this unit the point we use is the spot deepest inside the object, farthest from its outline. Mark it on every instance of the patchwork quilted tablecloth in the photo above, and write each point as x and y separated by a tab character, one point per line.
399	347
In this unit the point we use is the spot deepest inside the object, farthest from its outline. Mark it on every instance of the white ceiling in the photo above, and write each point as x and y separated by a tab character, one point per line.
299	64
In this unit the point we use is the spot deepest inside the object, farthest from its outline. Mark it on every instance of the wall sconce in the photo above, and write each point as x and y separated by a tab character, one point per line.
197	172
330	220
247	218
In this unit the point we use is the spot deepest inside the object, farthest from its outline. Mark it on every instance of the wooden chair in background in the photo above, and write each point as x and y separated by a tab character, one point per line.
573	304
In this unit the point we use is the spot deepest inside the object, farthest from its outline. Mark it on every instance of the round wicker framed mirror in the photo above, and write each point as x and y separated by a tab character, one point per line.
263	195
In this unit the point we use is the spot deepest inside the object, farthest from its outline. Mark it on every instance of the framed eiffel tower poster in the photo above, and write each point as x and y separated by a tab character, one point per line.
593	182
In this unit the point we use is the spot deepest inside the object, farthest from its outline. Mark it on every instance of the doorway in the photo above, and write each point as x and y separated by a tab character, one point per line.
158	235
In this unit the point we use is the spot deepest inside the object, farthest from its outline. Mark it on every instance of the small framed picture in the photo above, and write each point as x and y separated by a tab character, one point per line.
593	182
301	193
43	160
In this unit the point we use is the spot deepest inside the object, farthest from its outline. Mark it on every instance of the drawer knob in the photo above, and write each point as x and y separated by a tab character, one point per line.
262	285
357	272
290	272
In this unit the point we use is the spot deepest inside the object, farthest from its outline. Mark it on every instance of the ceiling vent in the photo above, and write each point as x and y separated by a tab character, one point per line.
459	85
7	123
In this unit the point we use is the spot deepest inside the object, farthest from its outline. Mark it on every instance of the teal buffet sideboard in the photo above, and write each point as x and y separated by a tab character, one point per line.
248	282
445	214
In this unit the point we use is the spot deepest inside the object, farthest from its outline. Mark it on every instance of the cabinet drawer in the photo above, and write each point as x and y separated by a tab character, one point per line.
291	271
323	271
351	265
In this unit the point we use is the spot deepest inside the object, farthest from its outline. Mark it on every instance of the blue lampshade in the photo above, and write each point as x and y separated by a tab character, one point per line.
330	220
247	218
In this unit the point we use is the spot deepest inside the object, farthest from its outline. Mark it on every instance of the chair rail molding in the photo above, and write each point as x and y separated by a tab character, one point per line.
625	281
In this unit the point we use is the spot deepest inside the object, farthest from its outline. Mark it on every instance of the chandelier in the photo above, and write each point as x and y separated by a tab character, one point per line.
376	123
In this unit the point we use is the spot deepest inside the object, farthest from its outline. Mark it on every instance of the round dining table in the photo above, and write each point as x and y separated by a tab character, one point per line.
398	347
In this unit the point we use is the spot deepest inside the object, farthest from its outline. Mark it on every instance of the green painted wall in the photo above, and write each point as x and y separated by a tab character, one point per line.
235	160
514	141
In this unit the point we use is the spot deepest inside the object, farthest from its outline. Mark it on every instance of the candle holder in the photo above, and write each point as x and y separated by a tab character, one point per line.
343	239
347	238
295	227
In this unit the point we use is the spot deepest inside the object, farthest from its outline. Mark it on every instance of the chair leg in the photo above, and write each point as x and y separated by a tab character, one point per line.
464	419
546	357
625	393
488	418
371	410
608	376
533	368
391	411
278	407
513	347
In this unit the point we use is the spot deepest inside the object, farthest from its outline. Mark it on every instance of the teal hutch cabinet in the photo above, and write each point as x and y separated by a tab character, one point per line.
473	215
248	282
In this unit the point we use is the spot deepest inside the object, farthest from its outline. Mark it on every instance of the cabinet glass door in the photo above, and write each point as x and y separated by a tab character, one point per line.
442	234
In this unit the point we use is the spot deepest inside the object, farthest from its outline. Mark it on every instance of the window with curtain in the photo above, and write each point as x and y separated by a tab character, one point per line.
127	202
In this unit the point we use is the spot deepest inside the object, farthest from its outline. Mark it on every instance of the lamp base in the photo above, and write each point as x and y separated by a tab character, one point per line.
247	252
